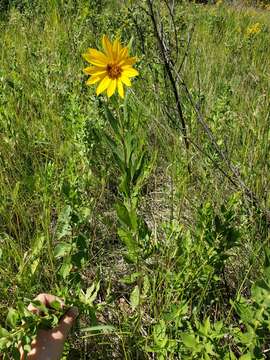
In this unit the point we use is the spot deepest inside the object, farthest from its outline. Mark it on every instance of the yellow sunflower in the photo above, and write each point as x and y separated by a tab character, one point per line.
111	68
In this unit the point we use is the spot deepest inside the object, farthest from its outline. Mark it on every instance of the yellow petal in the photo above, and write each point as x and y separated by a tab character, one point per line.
120	88
128	61
92	80
97	55
116	49
130	72
107	46
103	85
125	80
111	88
93	61
94	70
123	53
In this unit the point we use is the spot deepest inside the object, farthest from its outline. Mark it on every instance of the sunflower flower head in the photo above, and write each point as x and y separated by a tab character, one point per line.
111	69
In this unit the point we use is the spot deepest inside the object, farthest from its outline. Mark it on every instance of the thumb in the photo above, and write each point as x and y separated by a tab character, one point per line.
67	321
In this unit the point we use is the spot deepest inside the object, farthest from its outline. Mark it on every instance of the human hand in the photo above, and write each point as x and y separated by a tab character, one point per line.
49	344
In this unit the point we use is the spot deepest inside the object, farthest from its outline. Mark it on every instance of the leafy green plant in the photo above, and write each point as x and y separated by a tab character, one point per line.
253	336
134	166
22	326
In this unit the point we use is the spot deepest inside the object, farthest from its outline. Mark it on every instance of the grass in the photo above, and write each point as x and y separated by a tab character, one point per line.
201	245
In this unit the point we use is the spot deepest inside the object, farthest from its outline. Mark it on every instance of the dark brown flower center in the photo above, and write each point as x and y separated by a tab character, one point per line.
114	71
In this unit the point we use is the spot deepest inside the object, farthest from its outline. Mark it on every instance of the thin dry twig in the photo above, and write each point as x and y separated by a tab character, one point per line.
167	63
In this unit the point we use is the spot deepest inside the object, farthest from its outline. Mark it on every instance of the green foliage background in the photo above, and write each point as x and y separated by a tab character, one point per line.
165	256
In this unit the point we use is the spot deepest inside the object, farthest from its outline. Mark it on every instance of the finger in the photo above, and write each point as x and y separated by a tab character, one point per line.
47	300
67	321
21	353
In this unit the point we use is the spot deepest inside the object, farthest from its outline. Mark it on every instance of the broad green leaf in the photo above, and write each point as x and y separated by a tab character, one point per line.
90	295
27	348
135	297
63	223
146	285
189	340
123	214
54	320
37	245
133	219
34	265
3	343
243	310
3	332
130	243
176	312
218	326
56	305
65	268
124	186
12	318
131	278
159	333
209	347
205	327
22	310
247	337
62	250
